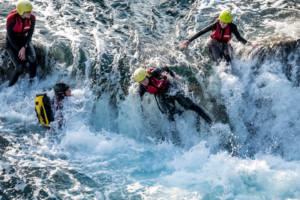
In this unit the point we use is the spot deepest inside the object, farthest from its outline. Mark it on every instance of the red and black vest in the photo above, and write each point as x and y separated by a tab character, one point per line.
222	36
21	27
156	85
58	103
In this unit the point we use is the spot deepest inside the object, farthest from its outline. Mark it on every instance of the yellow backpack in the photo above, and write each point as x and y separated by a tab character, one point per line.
43	109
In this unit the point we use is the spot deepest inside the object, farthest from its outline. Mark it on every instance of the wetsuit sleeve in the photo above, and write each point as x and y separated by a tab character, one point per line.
142	90
167	69
238	36
10	37
30	32
157	72
205	30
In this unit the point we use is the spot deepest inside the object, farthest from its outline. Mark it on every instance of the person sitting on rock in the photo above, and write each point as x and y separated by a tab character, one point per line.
20	27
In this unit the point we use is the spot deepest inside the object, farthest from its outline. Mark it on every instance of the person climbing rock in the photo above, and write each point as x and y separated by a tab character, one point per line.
221	34
154	82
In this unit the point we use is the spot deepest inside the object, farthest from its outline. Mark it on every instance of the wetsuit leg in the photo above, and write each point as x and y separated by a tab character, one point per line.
167	105
188	104
31	57
17	62
200	111
214	49
183	100
227	49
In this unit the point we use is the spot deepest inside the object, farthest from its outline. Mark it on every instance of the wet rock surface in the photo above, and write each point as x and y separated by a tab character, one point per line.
287	53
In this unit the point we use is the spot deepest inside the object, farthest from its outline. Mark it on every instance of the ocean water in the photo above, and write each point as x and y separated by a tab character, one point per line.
110	149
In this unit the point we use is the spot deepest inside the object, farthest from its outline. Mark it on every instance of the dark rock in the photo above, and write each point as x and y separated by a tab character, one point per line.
62	53
287	53
3	143
42	194
62	181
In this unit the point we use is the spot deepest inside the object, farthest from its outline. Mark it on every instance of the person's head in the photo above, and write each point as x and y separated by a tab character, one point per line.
141	76
225	18
24	8
61	89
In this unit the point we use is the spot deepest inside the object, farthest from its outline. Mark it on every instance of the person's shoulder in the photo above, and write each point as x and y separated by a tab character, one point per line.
155	72
11	17
232	25
32	17
150	70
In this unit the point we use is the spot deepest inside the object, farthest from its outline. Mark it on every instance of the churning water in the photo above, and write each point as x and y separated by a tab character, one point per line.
110	149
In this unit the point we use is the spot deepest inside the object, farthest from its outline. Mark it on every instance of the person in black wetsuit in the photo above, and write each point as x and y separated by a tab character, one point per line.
20	27
221	31
154	82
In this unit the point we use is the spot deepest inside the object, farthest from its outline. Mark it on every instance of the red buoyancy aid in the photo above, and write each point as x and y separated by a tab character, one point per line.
158	85
221	36
57	105
19	28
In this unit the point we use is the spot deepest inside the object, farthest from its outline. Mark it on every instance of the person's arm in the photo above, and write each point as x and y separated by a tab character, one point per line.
10	37
167	69
238	36
157	72
203	31
30	32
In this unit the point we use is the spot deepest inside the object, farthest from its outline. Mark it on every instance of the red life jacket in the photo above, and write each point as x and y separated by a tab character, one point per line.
20	28
222	36
156	85
57	105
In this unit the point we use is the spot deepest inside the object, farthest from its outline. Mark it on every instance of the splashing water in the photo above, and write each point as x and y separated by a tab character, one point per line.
110	149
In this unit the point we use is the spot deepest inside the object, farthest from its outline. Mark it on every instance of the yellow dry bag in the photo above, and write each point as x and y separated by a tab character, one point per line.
43	109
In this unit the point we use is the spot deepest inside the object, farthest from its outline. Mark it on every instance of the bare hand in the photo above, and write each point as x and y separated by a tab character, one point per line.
184	45
256	44
177	77
22	54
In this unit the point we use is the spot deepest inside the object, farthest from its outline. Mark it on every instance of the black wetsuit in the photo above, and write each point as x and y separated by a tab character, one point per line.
171	93
14	43
217	49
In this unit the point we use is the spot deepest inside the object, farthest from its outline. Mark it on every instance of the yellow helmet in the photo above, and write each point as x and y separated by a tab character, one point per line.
225	17
140	74
24	6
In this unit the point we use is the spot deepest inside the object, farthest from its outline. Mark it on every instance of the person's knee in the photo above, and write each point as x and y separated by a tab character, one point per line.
20	68
31	58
